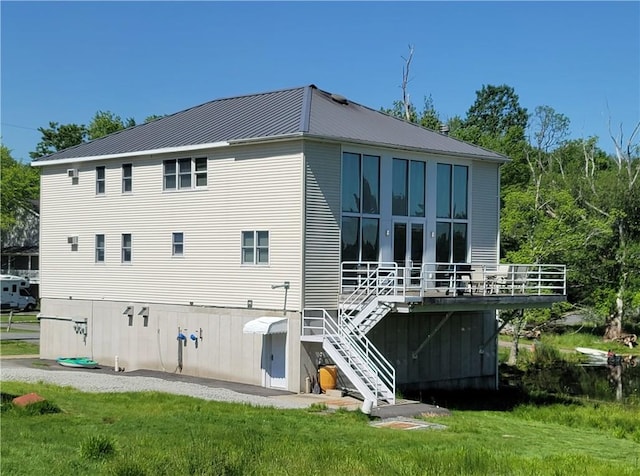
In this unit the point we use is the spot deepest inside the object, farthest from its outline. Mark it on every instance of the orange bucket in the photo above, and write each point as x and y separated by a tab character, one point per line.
328	376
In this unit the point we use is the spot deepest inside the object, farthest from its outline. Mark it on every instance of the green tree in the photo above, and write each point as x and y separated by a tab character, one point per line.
19	183
496	110
153	117
105	123
58	137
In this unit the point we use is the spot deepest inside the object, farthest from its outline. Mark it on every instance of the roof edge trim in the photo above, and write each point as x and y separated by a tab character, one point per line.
305	114
384	145
137	153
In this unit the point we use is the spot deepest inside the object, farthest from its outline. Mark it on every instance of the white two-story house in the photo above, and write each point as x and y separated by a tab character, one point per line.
244	238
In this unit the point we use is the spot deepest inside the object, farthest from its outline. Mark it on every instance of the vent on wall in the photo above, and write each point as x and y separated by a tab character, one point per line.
72	240
72	173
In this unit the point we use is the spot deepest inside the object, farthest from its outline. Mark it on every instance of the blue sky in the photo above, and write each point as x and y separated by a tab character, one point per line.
64	61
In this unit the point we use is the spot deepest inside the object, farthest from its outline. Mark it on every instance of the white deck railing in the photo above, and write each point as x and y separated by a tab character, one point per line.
457	279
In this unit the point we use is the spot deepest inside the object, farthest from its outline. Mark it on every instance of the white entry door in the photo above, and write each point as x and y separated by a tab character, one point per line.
277	360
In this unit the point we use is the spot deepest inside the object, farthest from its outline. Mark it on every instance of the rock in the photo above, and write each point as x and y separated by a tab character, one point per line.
27	399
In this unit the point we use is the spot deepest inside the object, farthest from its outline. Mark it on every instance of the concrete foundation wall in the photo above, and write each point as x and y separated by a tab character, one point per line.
450	360
223	351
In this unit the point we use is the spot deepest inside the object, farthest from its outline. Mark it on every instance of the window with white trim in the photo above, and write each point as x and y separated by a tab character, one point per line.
177	244
255	247
100	180
184	174
126	248
100	246
127	178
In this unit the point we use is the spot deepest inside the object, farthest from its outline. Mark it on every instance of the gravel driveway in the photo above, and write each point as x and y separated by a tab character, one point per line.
108	381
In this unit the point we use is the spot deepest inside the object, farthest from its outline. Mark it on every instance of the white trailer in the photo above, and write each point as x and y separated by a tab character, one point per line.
15	293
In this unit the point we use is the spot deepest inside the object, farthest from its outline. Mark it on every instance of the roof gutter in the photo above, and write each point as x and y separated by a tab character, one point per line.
137	153
257	140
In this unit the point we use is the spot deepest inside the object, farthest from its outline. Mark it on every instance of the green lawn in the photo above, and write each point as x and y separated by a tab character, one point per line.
573	338
31	318
18	347
159	434
14	330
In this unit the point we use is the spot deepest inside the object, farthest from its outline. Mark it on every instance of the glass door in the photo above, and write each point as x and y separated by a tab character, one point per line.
408	249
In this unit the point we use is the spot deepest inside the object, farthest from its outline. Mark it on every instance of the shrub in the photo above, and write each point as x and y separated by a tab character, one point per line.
97	447
41	408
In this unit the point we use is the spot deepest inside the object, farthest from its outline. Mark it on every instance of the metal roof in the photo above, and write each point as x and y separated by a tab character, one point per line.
288	112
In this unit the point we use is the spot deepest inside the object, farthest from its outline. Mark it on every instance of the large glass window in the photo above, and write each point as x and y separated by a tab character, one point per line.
451	208
350	239
360	207
417	179
255	247
127	178
443	201
350	182
370	184
460	187
100	248
126	248
100	180
459	242
185	174
408	188
399	187
370	239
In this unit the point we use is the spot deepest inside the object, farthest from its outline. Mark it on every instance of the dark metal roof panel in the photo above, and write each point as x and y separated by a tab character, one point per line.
246	117
306	110
351	121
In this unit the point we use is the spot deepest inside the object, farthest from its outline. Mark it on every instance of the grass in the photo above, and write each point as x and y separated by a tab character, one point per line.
15	330
578	337
159	434
19	318
18	347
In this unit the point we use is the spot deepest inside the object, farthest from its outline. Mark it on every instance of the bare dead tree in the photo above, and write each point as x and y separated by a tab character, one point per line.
626	152
406	101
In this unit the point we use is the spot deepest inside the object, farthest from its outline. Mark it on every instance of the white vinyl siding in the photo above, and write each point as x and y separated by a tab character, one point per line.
322	224
484	202
249	188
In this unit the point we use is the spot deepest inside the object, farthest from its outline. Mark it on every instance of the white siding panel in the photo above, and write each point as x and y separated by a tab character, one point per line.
249	188
485	204
322	224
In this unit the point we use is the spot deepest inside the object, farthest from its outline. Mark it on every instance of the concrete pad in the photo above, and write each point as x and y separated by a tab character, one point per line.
402	423
408	409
